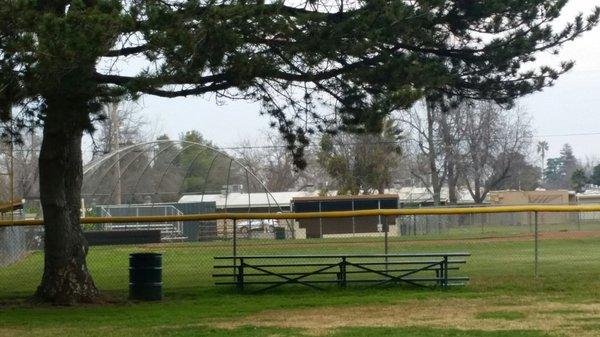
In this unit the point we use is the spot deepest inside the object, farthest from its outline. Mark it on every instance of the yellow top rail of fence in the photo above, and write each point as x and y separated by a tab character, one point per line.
316	215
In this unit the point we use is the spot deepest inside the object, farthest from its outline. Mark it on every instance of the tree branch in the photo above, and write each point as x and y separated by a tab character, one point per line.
126	51
198	90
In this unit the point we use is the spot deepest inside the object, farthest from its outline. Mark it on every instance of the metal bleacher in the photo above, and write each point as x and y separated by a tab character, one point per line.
170	231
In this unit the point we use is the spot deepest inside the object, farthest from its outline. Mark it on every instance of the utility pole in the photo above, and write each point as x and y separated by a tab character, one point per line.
114	147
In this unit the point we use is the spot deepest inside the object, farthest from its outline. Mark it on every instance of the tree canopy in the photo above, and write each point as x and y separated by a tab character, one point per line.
595	177
559	170
579	180
366	57
361	163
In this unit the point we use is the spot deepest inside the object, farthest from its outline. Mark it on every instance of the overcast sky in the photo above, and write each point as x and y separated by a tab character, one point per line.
568	112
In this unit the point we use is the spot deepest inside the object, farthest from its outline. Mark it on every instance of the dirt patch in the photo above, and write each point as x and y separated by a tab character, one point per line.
441	313
484	239
570	235
518	237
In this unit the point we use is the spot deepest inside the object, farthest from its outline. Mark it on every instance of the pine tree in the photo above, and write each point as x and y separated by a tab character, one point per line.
579	180
559	170
595	178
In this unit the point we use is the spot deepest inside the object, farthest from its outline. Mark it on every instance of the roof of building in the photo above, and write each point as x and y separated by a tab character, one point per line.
237	200
241	200
592	193
347	197
413	194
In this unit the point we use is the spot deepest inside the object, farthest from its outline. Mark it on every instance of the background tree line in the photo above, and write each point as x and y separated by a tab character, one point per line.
474	146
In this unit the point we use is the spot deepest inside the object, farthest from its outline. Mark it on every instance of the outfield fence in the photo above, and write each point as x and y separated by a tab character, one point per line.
524	248
13	245
15	241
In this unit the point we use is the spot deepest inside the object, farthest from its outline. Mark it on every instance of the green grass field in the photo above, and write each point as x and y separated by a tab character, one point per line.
502	299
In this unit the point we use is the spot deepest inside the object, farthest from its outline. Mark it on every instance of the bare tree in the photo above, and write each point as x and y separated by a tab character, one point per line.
451	130
475	144
493	140
22	168
119	124
270	161
426	156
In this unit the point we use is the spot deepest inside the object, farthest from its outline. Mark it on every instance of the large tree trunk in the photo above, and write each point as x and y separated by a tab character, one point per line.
66	279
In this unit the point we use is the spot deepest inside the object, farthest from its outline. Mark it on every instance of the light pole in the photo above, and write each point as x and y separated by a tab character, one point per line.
114	139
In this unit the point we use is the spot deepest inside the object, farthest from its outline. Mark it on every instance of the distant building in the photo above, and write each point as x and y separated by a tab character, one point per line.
590	196
240	202
544	197
331	227
422	196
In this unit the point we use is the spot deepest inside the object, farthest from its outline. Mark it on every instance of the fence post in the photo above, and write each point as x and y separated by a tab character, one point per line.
234	246
536	239
385	239
320	223
386	248
445	271
414	218
343	275
482	222
240	278
385	234
234	238
353	221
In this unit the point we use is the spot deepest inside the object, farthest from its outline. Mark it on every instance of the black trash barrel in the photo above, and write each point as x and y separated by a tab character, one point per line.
279	233
145	276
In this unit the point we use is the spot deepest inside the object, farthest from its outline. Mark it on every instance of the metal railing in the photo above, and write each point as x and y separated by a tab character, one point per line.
169	229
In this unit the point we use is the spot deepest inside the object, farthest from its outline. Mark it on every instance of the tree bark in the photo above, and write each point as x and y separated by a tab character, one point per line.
449	158
452	183
436	180
477	192
66	279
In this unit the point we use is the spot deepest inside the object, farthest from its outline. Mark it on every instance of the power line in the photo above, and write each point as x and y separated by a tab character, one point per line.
252	147
568	134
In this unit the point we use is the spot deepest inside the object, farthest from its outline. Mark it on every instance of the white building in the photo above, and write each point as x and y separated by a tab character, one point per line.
249	202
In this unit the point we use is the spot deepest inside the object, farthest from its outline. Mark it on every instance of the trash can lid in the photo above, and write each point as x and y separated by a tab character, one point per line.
145	254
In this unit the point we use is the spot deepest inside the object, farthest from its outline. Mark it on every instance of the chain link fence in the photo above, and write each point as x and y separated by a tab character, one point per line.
504	248
13	244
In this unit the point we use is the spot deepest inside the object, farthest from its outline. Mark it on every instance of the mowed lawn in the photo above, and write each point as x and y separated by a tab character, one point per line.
502	299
